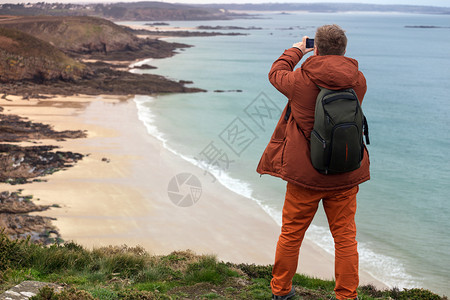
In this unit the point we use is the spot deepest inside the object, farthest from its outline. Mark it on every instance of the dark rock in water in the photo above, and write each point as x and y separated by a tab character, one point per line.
203	27
182	33
185	82
425	26
144	67
157	24
228	91
285	28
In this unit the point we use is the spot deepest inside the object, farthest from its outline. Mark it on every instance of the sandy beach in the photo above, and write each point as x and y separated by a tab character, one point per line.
118	193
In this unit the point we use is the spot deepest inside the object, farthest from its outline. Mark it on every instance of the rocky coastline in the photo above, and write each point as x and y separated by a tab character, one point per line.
17	223
104	78
102	68
24	164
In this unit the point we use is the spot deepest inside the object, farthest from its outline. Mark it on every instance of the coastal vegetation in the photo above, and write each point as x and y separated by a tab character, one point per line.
123	272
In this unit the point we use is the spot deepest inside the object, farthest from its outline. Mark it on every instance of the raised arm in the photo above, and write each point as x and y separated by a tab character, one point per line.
281	74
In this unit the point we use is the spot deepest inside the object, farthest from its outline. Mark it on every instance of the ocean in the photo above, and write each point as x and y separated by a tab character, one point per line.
402	218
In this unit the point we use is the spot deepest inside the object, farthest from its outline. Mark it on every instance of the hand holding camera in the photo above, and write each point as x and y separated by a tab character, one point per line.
306	45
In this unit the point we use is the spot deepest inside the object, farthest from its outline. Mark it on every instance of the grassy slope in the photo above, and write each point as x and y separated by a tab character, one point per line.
90	37
131	273
78	34
23	56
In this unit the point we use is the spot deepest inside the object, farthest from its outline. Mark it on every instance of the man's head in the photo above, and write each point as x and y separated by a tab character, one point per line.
330	40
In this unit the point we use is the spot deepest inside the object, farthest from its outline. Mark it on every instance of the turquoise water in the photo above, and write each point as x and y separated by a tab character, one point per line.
402	217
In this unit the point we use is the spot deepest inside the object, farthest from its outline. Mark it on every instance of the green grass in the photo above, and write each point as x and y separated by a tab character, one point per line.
131	273
313	283
208	270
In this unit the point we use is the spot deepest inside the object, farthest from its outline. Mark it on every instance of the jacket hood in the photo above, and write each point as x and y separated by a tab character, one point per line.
332	71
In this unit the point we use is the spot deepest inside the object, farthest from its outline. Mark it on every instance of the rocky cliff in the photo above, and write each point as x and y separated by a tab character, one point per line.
85	35
24	57
76	34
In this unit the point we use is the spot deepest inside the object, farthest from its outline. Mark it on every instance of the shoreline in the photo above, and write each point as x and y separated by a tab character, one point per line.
124	198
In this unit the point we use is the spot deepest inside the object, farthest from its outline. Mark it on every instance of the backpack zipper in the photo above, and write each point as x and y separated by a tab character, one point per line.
324	143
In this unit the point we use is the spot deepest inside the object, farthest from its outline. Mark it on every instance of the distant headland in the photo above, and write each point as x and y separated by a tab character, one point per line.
162	11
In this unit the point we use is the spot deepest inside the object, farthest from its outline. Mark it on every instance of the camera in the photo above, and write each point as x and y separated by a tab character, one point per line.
309	43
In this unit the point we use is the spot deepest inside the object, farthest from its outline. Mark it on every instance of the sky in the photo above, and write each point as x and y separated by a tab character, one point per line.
410	2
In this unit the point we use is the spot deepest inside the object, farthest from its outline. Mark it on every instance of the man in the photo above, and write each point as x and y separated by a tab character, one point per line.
288	156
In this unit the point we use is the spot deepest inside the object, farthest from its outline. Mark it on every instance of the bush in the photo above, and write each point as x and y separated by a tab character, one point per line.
208	270
158	272
125	264
254	271
58	258
12	252
413	294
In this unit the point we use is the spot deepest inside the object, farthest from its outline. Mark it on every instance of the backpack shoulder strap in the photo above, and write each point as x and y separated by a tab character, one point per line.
366	130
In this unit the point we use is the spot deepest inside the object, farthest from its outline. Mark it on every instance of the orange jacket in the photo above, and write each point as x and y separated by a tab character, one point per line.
287	155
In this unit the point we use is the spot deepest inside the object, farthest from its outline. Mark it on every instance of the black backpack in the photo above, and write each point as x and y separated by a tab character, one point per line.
337	144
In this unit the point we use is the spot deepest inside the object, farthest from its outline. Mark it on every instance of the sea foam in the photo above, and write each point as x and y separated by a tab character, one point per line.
235	185
384	268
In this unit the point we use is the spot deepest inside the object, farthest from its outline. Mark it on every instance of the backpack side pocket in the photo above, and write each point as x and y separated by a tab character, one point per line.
320	152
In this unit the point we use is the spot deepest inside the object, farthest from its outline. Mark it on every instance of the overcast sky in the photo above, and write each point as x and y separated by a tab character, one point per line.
412	2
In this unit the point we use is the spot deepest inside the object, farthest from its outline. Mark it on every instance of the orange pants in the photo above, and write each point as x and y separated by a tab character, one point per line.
300	206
